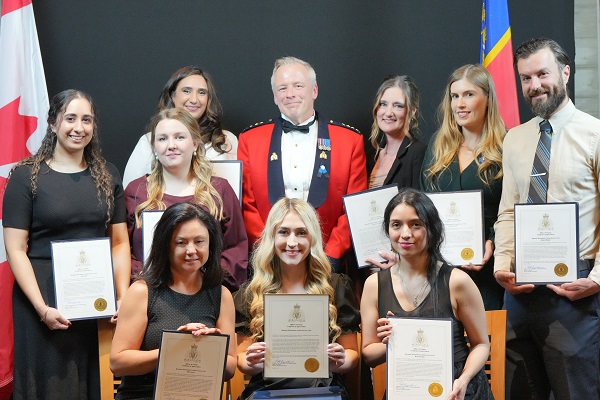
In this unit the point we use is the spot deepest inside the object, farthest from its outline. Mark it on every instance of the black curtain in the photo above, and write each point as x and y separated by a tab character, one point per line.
123	52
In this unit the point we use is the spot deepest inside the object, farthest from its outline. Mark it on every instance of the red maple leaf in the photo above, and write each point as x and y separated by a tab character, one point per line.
15	129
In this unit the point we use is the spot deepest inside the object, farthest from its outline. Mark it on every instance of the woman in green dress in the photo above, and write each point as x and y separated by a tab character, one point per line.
466	154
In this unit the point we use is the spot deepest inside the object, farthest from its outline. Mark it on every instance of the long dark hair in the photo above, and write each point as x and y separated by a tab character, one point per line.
210	121
92	153
157	269
434	227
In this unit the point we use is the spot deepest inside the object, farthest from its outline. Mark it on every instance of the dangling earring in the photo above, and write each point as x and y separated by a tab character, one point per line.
194	153
156	156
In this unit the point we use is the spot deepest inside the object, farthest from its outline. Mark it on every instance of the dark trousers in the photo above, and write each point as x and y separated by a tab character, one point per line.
553	344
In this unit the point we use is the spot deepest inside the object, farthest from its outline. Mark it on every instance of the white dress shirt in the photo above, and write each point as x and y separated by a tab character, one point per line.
574	176
298	159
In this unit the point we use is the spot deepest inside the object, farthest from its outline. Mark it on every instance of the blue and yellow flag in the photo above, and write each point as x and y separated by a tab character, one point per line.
497	57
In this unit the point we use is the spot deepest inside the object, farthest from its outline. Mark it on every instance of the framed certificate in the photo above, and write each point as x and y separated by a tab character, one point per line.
84	278
462	215
231	170
297	334
365	218
546	243
191	367
149	220
419	358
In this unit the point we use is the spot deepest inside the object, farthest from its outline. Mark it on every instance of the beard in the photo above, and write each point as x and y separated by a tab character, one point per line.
556	95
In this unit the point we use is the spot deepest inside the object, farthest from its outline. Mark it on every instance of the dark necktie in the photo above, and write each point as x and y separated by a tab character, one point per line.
538	187
288	126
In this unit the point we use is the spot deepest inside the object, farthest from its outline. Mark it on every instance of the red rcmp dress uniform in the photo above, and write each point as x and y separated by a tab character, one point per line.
339	169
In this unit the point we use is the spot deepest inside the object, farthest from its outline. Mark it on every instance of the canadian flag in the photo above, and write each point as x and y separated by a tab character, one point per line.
23	111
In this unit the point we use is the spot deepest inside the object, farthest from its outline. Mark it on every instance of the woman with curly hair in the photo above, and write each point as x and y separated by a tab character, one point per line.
290	259
466	154
180	172
191	89
65	191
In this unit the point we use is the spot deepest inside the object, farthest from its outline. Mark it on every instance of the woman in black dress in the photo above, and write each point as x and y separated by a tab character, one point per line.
466	154
65	191
421	285
180	288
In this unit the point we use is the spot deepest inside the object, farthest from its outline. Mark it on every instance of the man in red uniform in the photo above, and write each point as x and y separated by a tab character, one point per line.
301	154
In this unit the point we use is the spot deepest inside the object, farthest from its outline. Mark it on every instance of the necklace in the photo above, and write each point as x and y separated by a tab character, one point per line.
60	166
415	302
467	147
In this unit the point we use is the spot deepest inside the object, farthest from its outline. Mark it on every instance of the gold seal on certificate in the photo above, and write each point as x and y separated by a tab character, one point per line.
311	364
100	304
561	269
435	389
467	253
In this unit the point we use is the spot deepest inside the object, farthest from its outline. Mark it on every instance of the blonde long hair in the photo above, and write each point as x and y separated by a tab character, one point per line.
449	137
267	267
200	170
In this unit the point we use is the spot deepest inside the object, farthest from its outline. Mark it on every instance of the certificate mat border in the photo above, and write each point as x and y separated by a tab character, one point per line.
450	350
459	193
238	184
225	337
362	264
519	206
112	274
145	231
271	297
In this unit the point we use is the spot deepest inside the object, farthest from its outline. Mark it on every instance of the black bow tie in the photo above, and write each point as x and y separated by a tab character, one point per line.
288	126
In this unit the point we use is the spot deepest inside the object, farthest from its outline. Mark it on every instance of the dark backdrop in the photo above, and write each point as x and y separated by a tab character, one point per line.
123	52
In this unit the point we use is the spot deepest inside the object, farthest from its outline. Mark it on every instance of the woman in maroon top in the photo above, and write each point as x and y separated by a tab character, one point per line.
180	172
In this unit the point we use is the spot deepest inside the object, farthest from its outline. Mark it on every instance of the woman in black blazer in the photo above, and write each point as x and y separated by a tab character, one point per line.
398	155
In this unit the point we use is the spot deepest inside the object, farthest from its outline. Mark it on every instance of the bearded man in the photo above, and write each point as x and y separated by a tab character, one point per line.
552	330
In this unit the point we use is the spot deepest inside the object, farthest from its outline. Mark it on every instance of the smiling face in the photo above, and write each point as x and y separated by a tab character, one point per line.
292	241
543	82
191	94
189	247
294	93
407	232
469	105
174	145
392	112
75	127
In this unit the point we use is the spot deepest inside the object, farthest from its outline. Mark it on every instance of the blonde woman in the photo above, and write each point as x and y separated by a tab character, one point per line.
466	154
290	259
180	172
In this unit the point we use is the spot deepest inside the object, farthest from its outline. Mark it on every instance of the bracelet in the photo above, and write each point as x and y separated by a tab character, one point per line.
45	313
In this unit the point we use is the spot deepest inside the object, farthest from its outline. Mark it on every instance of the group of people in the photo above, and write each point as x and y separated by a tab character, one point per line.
293	224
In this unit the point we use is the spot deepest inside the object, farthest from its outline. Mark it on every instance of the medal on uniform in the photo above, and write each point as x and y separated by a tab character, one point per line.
324	144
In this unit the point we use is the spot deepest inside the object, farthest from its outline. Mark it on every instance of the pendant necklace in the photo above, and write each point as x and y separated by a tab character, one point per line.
415	302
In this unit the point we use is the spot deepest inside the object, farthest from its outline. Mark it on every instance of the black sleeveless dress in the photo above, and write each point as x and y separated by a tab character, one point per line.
168	309
55	364
479	387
